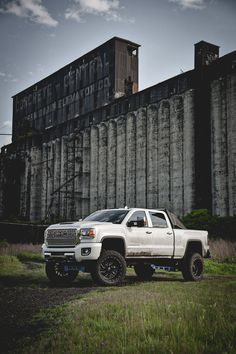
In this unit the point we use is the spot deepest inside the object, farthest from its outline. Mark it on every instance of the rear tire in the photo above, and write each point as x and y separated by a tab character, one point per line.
192	268
110	268
56	274
144	271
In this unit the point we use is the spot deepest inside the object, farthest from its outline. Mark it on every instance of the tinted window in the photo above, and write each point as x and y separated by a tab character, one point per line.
158	219
138	215
114	216
176	223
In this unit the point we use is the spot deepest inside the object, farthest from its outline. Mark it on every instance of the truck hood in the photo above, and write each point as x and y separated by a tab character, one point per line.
78	224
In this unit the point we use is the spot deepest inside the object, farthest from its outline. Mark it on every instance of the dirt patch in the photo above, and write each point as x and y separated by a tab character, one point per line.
19	305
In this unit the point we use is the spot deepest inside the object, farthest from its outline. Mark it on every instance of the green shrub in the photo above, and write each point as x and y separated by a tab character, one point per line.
3	244
29	257
219	268
200	219
218	227
9	264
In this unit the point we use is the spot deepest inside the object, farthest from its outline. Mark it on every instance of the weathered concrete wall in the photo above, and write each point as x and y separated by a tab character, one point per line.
142	159
223	152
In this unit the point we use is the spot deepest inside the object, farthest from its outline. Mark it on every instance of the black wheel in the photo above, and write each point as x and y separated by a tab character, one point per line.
56	274
110	268
144	271
192	268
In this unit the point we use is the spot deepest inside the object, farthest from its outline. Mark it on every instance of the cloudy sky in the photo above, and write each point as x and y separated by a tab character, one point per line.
37	37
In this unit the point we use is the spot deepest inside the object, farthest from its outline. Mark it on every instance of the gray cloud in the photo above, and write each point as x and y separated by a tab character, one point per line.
110	9
7	77
190	4
30	9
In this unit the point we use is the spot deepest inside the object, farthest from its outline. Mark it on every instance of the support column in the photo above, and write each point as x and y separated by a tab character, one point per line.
231	142
44	194
102	167
219	148
63	185
176	155
70	180
189	152
164	154
50	182
86	174
152	155
111	164
141	158
78	176
131	160
94	170
35	192
121	159
57	178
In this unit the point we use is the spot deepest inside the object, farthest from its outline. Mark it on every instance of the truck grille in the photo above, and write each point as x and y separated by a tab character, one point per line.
66	237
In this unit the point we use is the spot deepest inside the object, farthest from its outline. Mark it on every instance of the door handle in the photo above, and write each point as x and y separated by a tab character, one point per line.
148	232
169	233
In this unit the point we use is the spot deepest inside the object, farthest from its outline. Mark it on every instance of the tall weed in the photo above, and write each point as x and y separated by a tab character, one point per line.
14	249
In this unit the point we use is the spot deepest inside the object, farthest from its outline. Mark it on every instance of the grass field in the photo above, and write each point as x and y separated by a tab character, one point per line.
157	317
165	315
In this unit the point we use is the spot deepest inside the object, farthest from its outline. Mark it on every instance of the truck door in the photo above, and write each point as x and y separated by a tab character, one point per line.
162	234
139	235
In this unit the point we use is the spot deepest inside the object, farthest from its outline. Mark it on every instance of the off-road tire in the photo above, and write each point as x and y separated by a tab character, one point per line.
110	268
144	271
192	267
57	275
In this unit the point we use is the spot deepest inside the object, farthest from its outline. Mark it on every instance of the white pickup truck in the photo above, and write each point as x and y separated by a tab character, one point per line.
108	241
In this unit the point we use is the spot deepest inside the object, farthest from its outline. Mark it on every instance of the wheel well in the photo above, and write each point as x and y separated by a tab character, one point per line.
115	244
194	247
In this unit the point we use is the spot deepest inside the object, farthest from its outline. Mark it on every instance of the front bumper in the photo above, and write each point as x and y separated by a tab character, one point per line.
82	252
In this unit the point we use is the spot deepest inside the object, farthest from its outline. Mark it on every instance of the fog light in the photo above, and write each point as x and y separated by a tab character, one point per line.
85	251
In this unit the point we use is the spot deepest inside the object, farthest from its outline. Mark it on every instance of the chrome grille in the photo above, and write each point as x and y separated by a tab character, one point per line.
62	237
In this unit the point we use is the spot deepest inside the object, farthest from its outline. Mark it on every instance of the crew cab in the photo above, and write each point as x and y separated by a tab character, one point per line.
107	241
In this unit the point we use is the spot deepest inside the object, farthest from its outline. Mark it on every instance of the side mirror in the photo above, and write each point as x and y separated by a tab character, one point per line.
130	224
136	223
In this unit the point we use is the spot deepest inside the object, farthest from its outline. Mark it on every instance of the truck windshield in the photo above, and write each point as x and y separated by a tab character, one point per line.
114	216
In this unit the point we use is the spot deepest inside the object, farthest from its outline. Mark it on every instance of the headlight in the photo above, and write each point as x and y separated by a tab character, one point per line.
45	236
87	233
